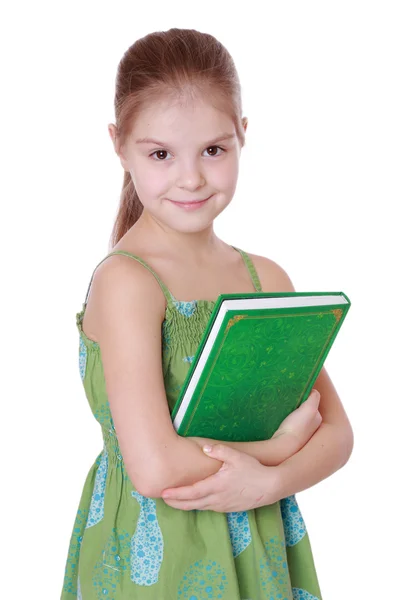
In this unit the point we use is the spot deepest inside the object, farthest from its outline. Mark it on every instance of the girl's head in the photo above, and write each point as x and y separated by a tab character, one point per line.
180	89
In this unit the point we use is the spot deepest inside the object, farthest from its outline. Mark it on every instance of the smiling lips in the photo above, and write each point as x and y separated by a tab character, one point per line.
190	205
190	202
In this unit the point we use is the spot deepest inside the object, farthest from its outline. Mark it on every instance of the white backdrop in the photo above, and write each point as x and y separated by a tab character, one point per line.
317	193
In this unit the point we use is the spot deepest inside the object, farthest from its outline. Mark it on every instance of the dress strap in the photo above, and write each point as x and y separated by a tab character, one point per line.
164	288
171	301
251	269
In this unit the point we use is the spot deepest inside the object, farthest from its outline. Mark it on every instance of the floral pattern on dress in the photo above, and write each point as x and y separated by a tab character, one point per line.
96	510
239	531
203	580
147	546
293	523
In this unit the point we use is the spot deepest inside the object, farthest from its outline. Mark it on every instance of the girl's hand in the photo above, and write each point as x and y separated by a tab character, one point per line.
301	424
242	483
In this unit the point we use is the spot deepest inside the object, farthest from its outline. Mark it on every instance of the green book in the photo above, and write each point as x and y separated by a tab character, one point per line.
257	361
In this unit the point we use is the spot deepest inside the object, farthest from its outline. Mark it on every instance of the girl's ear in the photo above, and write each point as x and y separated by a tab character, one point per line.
245	121
112	130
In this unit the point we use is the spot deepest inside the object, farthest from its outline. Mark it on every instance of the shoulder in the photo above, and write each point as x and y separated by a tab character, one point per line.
121	283
273	277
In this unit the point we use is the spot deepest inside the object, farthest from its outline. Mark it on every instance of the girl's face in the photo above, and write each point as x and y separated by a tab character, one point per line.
183	152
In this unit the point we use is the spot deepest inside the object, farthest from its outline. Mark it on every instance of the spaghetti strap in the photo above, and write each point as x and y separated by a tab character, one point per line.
251	269
171	301
164	288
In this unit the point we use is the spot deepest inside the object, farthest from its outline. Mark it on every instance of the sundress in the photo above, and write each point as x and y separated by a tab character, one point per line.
127	546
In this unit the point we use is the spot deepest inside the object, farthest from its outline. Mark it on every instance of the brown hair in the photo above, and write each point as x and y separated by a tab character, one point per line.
169	63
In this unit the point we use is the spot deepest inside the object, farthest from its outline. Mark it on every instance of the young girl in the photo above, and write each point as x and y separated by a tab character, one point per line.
160	518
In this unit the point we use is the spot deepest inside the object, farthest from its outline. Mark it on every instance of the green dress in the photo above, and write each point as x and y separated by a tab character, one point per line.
126	546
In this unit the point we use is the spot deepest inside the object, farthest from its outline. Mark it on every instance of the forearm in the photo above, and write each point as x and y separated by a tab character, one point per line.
326	452
182	463
270	452
185	463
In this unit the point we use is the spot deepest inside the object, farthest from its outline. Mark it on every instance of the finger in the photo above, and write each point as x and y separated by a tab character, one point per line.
312	400
318	419
206	486
193	492
188	492
316	396
223	453
205	503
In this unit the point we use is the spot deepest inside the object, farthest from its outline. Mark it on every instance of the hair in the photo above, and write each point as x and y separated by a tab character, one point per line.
168	65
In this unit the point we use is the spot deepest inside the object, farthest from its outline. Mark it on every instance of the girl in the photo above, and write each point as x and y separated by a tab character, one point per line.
160	519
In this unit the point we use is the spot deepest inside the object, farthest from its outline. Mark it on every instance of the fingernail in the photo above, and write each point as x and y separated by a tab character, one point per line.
207	448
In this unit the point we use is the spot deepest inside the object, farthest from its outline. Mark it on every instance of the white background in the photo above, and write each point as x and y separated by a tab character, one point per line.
317	193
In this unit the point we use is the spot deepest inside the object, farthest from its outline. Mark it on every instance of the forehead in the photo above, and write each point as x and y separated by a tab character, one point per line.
176	118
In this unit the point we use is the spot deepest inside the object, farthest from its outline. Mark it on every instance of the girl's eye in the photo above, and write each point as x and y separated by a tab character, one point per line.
158	152
223	150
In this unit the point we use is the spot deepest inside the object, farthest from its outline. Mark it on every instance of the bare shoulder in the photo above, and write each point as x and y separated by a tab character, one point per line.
273	277
118	283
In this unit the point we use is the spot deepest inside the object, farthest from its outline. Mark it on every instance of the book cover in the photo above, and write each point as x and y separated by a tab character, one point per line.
255	365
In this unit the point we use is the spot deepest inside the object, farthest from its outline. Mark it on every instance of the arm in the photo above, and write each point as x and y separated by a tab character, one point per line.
331	445
327	451
127	309
243	483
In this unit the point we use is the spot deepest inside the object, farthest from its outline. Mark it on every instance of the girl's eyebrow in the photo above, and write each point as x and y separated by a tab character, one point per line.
220	138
